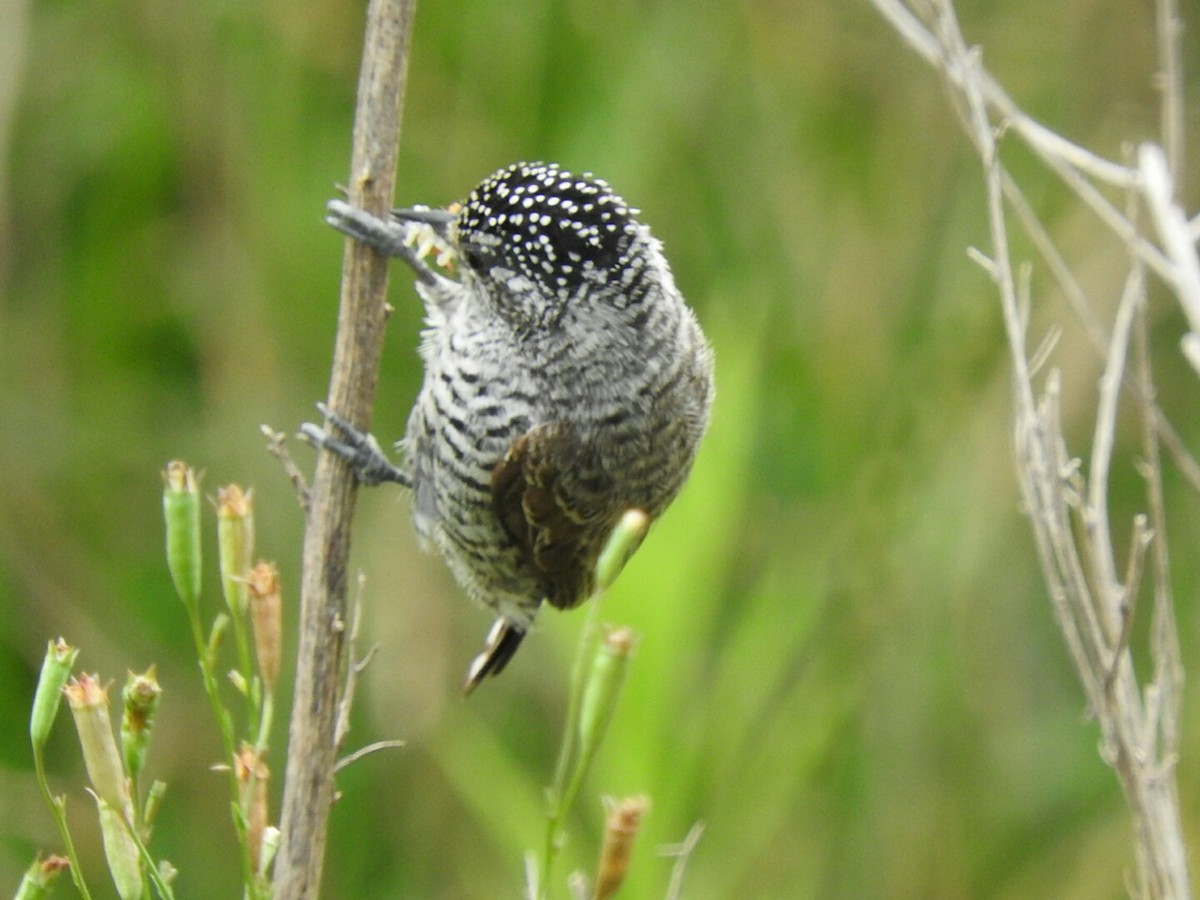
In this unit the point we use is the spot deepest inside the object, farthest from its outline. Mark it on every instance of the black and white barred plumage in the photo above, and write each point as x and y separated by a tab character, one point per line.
565	382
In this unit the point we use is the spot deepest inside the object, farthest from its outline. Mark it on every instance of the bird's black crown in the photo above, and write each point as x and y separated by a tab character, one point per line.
557	229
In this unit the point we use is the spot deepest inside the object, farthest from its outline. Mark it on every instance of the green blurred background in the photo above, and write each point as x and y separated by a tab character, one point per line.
848	666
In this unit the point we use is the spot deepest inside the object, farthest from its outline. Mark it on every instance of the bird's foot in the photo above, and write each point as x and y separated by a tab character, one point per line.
371	466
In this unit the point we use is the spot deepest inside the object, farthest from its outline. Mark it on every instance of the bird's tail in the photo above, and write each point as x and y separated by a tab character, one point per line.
502	642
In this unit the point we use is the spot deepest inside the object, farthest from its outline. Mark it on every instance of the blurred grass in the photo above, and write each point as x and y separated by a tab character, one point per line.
848	667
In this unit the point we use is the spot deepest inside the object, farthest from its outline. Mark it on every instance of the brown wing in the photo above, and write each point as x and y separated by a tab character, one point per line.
555	513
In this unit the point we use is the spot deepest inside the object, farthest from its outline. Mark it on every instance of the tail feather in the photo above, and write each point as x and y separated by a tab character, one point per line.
502	642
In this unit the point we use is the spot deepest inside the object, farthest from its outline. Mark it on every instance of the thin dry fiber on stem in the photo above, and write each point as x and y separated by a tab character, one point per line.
312	743
1094	601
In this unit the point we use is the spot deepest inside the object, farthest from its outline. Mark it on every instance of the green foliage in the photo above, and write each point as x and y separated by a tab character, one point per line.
847	666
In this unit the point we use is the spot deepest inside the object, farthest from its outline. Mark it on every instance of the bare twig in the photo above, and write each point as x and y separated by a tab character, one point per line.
356	667
1170	83
1104	567
308	792
1095	329
683	854
277	447
1184	275
1164	645
358	754
1139	541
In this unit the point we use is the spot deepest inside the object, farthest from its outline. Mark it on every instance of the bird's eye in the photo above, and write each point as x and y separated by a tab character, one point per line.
473	258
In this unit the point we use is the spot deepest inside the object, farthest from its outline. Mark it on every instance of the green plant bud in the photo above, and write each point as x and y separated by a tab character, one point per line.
181	511
217	634
89	705
166	871
121	851
603	688
142	695
154	798
56	669
235	544
270	846
624	541
40	877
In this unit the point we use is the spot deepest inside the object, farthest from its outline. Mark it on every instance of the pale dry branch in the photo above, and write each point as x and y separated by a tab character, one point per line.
682	854
1093	326
355	668
1095	515
1184	275
277	447
373	747
1093	600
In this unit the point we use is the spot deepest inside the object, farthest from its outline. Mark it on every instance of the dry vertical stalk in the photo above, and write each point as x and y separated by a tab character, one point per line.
308	790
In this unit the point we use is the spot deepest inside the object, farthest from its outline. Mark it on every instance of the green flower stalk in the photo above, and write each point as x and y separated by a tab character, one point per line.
586	727
235	544
596	679
56	669
40	877
154	799
603	689
142	695
52	684
624	541
181	510
121	851
89	705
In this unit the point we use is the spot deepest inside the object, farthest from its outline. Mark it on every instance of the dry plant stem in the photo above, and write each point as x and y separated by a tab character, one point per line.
1184	277
1091	605
682	854
1170	83
355	667
277	447
1096	332
308	791
1168	668
361	752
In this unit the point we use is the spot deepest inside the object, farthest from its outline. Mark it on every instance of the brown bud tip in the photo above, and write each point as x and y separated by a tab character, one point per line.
180	478
252	774
622	821
52	865
620	640
233	502
266	618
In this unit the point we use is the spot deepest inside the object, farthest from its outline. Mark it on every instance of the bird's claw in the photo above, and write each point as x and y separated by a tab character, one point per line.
360	449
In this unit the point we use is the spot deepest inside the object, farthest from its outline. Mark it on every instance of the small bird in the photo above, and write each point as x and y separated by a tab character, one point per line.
566	382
